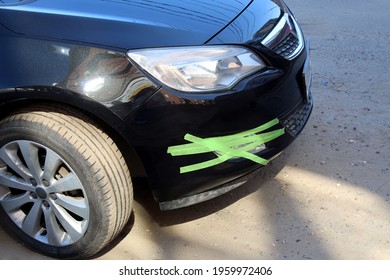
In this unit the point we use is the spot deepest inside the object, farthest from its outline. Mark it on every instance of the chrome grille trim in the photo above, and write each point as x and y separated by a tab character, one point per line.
286	38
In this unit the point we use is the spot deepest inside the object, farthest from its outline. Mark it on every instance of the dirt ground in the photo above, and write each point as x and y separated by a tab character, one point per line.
327	196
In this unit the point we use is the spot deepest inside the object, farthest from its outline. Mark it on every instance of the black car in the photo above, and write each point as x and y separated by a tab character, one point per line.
192	95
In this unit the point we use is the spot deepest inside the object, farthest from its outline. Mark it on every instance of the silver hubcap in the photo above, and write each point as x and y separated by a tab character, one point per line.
41	193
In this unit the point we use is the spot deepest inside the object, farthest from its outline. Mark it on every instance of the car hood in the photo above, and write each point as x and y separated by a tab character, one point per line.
123	23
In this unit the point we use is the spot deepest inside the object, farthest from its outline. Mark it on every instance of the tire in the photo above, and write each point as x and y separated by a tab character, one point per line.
65	188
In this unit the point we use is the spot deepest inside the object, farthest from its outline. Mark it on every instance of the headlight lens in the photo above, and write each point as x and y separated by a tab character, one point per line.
198	69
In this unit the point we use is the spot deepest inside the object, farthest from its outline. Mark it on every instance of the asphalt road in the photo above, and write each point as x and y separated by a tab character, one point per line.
327	196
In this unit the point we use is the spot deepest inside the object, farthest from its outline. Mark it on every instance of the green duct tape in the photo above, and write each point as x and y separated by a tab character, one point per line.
226	147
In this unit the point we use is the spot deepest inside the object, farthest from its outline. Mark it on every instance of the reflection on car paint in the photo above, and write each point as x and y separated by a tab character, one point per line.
104	76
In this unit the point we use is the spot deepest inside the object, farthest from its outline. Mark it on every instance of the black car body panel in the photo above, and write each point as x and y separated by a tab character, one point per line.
74	53
129	23
253	24
94	79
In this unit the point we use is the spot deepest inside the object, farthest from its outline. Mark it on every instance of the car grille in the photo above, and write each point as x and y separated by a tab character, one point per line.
286	38
294	123
287	47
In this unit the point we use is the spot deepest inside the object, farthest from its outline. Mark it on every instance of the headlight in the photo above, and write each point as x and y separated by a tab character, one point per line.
198	69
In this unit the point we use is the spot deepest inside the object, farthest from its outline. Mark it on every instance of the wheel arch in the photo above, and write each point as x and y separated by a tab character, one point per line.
12	100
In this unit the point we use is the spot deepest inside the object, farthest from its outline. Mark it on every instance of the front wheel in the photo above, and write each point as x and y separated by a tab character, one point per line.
65	188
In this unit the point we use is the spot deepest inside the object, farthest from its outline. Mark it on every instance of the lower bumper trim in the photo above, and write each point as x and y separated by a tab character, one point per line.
191	200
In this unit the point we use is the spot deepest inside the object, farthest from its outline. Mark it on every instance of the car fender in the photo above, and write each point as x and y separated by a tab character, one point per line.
72	74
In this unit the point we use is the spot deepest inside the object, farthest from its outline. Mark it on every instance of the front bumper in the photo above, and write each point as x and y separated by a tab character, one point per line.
277	100
293	124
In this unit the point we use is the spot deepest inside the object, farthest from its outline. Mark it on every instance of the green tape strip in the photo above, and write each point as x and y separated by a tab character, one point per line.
227	147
